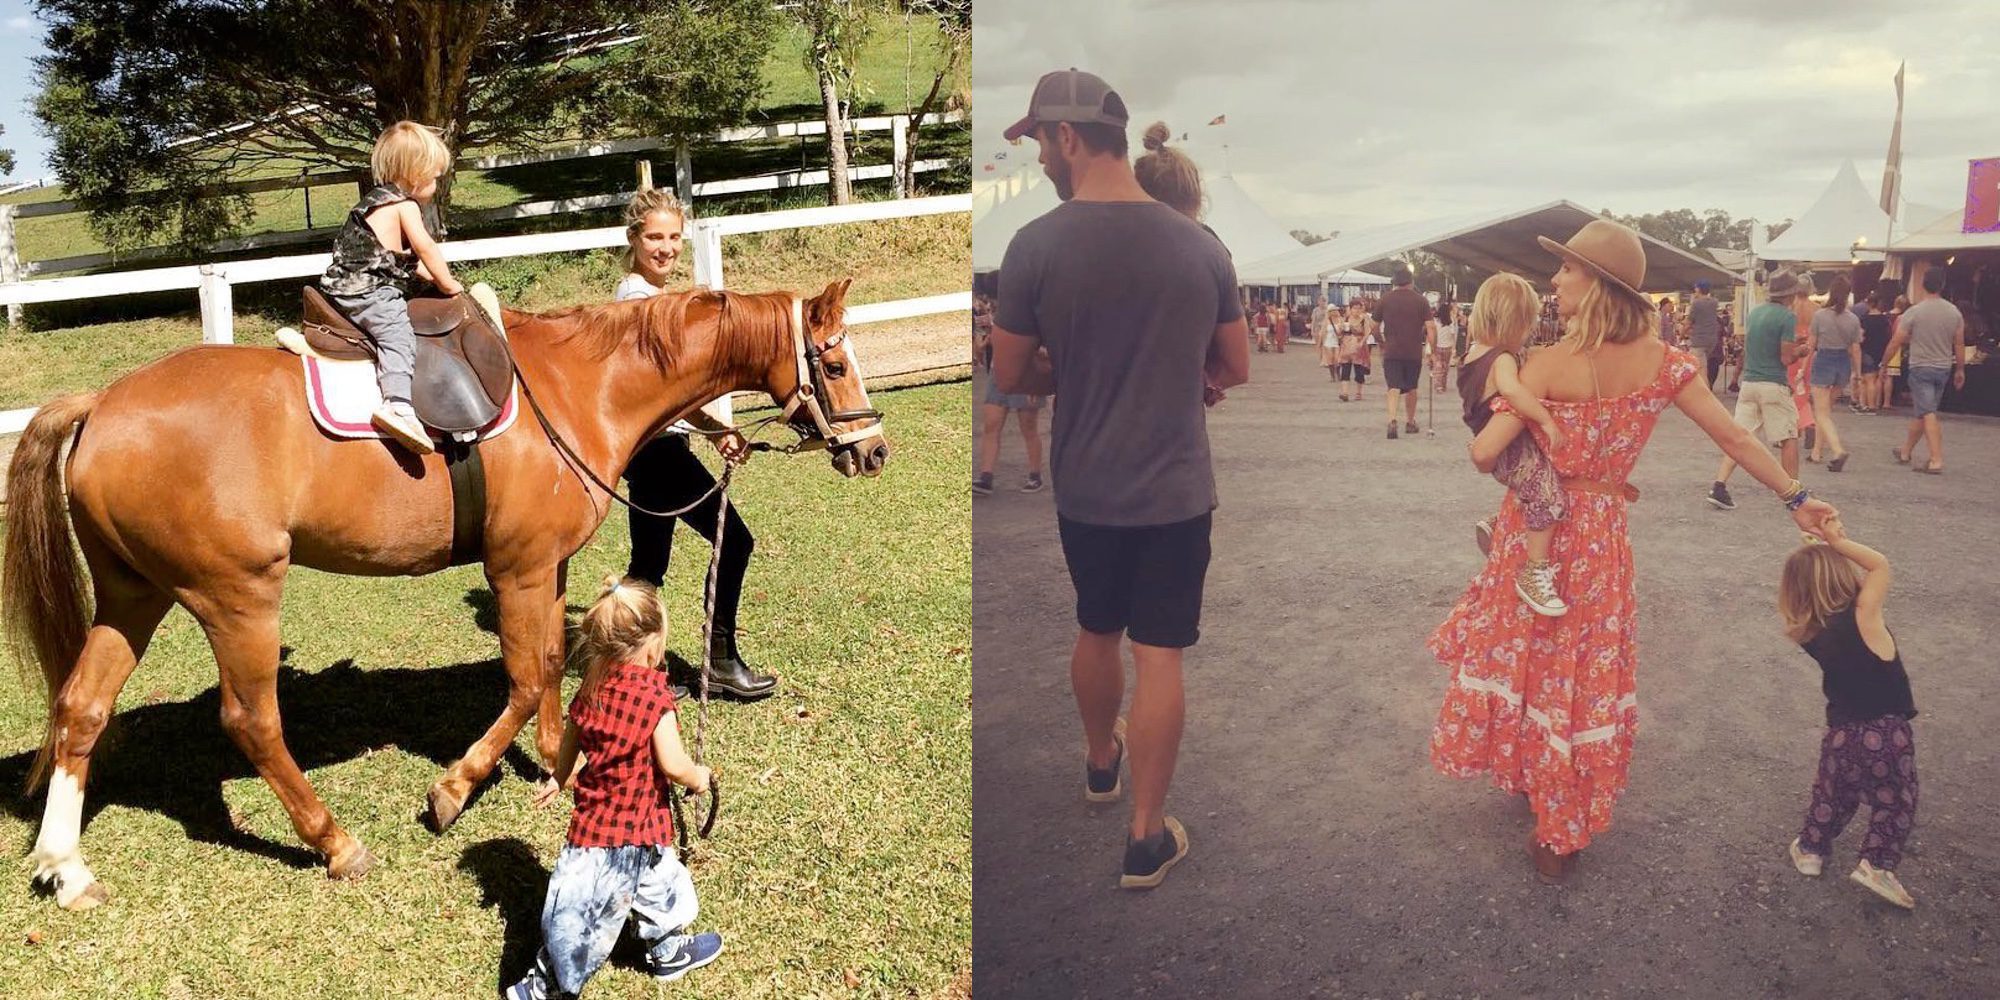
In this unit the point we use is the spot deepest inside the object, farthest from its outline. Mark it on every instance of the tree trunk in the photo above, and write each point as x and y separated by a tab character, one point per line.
917	130
838	189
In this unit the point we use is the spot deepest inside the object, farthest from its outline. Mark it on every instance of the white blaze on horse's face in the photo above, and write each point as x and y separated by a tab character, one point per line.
847	420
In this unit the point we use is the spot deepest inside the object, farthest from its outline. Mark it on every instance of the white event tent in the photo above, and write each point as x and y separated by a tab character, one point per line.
1845	215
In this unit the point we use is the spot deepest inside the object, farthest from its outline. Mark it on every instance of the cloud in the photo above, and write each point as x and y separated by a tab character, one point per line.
1356	114
21	23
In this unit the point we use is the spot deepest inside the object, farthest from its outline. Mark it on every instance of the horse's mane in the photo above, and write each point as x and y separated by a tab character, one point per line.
748	326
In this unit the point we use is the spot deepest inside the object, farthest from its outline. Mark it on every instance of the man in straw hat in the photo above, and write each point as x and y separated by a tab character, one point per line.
1137	307
1770	343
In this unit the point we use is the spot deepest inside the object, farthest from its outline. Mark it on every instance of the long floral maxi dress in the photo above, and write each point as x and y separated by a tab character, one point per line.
1547	705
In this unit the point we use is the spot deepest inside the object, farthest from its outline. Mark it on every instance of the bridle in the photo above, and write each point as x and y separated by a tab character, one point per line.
802	410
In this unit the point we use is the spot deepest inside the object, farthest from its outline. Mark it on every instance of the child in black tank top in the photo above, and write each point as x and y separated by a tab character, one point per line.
1867	760
1503	316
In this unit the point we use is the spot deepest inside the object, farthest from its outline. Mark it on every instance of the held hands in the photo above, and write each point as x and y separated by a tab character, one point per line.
1813	515
1210	395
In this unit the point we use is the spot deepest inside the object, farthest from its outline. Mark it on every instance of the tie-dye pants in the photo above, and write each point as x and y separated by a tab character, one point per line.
592	893
1871	765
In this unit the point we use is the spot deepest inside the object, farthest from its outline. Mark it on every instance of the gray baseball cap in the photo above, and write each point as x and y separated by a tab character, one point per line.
1071	95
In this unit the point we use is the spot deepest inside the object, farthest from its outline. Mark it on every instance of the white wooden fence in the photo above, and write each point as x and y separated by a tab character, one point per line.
684	184
703	239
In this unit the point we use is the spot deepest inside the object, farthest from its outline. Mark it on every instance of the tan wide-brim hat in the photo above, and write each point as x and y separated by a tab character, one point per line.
1612	252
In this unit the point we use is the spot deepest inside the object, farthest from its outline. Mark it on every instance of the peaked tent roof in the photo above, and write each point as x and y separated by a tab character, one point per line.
1844	213
1008	204
1488	241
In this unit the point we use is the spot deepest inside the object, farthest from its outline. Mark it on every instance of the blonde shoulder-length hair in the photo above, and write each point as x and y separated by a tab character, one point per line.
1817	583
1607	315
643	205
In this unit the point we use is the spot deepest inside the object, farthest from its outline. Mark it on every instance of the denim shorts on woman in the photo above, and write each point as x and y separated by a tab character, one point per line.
1832	368
1144	582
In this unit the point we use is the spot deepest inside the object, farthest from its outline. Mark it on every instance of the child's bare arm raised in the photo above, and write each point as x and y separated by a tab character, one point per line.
673	759
1507	380
1874	587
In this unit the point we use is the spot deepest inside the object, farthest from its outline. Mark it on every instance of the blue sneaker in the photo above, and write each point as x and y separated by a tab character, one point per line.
694	953
529	988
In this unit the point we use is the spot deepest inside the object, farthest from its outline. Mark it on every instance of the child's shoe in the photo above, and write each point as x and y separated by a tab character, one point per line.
1883	883
401	423
1805	861
1536	583
1148	861
1482	535
695	952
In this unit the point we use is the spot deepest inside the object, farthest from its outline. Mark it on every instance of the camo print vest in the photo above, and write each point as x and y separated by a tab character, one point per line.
361	263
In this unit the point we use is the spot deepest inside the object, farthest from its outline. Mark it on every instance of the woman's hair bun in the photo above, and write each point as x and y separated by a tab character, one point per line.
1157	135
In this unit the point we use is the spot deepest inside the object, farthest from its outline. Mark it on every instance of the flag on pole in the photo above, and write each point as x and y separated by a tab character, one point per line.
1220	120
1892	168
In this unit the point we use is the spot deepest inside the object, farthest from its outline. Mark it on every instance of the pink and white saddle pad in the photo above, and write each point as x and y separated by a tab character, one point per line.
343	394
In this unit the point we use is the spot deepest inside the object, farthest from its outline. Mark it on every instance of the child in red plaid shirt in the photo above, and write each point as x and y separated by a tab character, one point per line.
619	862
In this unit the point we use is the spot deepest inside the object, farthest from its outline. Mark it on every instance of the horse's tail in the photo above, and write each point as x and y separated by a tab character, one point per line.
42	599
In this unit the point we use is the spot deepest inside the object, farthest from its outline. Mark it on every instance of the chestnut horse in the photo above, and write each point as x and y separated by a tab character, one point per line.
200	479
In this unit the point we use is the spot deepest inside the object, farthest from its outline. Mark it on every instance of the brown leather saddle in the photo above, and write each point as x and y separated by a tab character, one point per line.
464	369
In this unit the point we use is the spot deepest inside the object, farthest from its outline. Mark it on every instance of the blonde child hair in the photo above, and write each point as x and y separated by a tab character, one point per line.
1817	584
643	204
408	151
1167	174
626	624
1504	312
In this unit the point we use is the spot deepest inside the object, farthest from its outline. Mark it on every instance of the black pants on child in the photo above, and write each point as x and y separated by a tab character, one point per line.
1868	765
665	475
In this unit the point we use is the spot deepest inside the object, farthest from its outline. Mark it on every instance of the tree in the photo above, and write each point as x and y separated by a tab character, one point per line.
1695	233
147	101
954	53
6	156
835	33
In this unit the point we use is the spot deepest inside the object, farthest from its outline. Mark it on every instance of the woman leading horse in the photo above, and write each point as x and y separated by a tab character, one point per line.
200	480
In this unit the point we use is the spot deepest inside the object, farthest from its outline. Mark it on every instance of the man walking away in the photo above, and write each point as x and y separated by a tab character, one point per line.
1704	323
1934	332
1770	342
1137	307
1406	324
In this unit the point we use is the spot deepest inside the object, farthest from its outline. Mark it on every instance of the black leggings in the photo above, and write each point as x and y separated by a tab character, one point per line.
665	475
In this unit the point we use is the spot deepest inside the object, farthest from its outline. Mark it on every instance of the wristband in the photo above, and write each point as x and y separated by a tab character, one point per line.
1785	495
1794	503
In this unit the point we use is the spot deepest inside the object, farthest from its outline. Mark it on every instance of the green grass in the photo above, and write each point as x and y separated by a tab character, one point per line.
790	95
843	849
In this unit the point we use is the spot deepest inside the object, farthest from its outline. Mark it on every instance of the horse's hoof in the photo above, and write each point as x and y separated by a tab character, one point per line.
442	810
352	865
93	896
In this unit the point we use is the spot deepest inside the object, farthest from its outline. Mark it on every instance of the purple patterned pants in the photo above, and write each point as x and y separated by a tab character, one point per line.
1865	765
1536	484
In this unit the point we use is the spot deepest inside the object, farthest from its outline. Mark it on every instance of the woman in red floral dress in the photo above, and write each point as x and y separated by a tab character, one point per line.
1548	706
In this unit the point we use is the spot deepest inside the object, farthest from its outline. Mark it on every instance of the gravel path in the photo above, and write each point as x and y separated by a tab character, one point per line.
1329	860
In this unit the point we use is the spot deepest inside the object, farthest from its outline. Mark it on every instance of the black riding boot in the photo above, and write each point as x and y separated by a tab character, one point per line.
728	673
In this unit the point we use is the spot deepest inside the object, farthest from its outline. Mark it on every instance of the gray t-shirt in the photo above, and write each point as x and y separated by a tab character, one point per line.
1933	330
1126	296
1835	331
1704	322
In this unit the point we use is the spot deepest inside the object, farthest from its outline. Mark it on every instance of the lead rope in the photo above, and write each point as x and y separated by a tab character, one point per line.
674	793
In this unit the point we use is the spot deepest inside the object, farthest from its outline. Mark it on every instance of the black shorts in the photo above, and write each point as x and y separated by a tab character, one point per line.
1401	375
1349	372
1145	582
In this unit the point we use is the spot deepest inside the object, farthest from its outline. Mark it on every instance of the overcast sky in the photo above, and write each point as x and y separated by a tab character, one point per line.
1344	115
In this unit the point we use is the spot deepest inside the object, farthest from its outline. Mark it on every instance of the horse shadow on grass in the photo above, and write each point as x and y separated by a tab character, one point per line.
171	757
